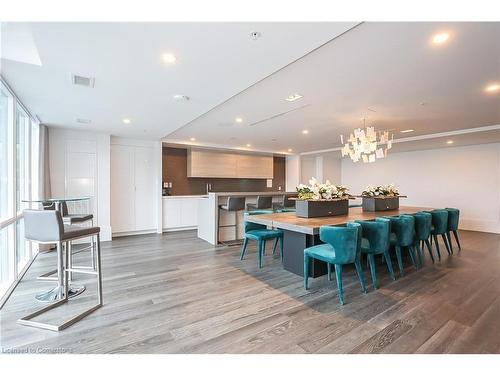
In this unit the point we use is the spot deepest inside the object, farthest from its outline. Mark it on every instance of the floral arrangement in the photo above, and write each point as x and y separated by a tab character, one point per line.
317	191
381	191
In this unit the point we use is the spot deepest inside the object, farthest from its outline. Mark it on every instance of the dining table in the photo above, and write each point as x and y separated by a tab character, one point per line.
300	233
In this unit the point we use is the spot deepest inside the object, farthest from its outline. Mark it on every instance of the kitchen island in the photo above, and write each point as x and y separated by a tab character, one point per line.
300	233
209	219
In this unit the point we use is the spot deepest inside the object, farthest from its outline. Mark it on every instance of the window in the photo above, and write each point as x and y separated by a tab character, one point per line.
19	157
23	127
6	204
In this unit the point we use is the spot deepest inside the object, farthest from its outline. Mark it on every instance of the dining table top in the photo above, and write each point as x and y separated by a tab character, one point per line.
289	221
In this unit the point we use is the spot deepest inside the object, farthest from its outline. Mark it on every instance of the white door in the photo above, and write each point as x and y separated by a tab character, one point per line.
122	188
145	188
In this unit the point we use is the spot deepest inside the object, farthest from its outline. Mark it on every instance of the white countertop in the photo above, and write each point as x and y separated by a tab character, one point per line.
250	193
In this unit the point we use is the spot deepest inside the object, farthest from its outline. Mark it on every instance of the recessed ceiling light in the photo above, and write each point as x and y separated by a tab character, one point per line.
305	131
407	131
239	120
494	87
180	97
249	145
293	97
449	142
290	150
83	121
255	35
169	58
440	38
192	139
126	121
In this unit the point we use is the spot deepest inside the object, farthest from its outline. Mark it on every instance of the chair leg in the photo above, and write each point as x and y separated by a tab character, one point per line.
455	234
400	260
446	244
306	271
329	267
243	248
275	245
361	275
261	248
437	245
338	275
412	256
448	238
373	270
419	253
429	248
281	248
387	257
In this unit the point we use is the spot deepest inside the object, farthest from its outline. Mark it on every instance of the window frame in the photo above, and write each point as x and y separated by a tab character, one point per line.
14	213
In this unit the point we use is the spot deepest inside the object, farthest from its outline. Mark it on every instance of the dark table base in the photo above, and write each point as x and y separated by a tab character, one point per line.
294	244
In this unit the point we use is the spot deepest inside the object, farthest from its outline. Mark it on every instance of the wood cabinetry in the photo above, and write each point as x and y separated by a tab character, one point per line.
205	163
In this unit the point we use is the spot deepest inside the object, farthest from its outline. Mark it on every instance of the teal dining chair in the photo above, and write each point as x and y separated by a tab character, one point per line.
376	240
403	236
342	246
260	234
453	218
423	225
440	227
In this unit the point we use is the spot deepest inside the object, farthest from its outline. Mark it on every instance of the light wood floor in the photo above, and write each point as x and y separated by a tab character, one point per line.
174	293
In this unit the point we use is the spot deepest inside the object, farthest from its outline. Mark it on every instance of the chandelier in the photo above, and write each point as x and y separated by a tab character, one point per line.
367	144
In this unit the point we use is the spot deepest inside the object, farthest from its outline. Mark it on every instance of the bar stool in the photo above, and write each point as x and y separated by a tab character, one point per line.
285	204
234	204
70	219
47	227
263	203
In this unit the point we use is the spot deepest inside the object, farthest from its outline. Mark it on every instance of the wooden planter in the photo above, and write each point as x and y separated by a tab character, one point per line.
372	204
319	208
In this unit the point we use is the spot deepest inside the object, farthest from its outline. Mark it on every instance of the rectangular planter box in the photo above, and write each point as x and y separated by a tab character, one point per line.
312	208
380	204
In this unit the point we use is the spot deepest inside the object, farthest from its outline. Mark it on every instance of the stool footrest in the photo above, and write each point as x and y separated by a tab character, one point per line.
81	270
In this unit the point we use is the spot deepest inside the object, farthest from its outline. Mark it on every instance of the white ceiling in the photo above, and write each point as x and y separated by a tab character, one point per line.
214	62
389	73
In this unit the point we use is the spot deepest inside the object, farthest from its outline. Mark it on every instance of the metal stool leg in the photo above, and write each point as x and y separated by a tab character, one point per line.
66	292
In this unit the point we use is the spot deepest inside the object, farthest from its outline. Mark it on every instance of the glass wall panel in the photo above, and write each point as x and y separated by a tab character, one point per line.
5	154
7	275
22	247
23	127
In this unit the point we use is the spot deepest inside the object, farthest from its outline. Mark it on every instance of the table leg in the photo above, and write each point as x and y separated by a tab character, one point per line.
293	254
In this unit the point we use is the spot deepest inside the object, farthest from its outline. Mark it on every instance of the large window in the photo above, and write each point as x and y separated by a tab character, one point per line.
18	168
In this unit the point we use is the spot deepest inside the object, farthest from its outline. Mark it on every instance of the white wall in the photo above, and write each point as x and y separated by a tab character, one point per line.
80	166
466	177
322	167
292	172
332	169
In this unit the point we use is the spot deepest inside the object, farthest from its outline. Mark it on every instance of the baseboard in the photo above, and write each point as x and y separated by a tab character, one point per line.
134	233
179	229
488	226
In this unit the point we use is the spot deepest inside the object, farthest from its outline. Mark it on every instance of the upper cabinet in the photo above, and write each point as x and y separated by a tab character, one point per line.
207	163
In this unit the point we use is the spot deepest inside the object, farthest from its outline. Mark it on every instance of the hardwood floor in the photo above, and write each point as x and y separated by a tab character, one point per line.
174	293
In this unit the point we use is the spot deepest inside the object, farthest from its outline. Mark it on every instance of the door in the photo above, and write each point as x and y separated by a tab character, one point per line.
122	188
145	188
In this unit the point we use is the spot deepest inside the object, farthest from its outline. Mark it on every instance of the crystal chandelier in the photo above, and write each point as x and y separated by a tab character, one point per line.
367	144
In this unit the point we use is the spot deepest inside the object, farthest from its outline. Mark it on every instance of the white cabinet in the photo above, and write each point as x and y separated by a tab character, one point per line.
133	188
180	212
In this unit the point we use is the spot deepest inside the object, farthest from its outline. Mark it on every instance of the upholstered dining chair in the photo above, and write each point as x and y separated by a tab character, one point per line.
260	234
376	240
423	225
440	227
403	236
342	246
453	218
